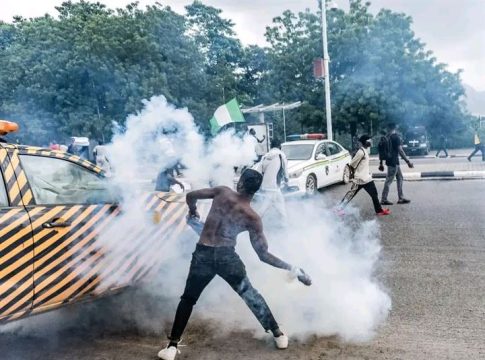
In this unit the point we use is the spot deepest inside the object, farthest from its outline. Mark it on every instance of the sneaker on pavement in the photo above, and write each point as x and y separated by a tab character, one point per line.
281	342
384	212
168	353
470	160
386	202
403	201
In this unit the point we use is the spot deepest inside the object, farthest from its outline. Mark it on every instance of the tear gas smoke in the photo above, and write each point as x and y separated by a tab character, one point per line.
341	257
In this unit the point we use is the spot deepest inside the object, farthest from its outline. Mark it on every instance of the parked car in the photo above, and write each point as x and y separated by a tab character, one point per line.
314	163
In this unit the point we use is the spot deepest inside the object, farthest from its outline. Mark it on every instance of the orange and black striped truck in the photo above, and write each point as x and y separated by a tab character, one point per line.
53	206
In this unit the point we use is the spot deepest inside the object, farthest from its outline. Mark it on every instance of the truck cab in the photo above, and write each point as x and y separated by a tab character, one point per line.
416	141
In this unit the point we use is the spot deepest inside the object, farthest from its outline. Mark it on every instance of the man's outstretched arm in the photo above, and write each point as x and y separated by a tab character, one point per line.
260	245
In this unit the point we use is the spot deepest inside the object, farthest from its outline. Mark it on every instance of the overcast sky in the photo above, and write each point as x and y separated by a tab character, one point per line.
453	29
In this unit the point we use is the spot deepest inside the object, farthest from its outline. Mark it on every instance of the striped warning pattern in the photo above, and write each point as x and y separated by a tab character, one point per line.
144	245
18	189
29	150
16	253
45	271
44	268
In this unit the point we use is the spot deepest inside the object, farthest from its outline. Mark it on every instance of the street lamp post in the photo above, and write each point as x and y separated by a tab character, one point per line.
326	60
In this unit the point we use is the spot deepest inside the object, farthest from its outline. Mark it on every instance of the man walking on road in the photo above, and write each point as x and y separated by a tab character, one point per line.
478	146
442	145
362	178
393	168
230	214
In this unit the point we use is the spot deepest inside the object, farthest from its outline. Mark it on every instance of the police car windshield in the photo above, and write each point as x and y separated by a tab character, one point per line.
298	151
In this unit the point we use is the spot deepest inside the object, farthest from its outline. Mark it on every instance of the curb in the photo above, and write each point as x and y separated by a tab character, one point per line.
375	158
437	175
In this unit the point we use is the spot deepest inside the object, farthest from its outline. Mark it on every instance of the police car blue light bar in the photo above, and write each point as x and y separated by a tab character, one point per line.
313	136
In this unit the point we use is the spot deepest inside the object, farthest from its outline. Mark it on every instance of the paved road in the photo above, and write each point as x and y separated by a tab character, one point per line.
440	164
433	264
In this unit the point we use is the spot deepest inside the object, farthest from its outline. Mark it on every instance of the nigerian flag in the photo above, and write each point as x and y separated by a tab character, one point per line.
225	114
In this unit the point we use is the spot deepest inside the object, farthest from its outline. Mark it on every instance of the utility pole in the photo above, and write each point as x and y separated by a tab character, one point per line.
326	60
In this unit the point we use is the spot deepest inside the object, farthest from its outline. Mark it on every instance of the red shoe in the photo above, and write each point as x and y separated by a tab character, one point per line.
384	212
339	212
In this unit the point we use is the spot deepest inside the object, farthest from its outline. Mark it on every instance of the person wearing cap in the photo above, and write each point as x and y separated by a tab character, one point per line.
362	178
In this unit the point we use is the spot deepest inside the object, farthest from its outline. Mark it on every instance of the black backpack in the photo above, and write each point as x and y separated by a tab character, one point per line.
384	148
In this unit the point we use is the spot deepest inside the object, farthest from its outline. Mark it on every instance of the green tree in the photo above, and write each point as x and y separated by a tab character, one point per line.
380	71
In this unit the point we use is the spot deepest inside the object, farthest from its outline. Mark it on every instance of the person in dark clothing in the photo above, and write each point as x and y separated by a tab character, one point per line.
71	149
215	254
382	140
442	145
165	180
393	167
478	146
362	178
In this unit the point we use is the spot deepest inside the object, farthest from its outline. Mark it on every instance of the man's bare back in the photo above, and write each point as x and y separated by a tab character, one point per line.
228	217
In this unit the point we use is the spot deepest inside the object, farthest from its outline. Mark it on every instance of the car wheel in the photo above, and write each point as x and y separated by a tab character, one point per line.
346	175
311	185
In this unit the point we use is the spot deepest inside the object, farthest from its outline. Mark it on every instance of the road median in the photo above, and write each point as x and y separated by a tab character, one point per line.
437	175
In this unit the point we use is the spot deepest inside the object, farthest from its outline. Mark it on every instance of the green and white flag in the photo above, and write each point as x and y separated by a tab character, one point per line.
225	114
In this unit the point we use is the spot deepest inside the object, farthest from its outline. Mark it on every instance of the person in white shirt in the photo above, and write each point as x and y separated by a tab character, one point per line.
101	156
259	145
270	203
362	178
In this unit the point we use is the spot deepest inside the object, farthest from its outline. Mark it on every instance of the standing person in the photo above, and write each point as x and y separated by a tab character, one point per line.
71	148
383	148
393	168
274	168
215	254
362	178
478	146
259	147
165	180
100	154
443	141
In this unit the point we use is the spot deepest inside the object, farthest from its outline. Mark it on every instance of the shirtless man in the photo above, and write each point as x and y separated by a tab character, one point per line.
230	215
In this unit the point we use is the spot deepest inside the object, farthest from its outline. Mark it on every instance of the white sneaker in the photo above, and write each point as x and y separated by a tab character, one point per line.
168	353
281	342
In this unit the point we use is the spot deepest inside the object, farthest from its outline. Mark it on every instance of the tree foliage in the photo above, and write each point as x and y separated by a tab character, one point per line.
77	73
379	71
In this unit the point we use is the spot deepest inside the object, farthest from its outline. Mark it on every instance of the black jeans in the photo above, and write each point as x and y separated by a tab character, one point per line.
478	147
371	189
207	262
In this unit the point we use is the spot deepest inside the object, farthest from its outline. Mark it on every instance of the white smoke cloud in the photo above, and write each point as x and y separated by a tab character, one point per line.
341	256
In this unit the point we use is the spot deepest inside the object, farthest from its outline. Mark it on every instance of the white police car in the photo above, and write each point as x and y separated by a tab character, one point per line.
314	163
